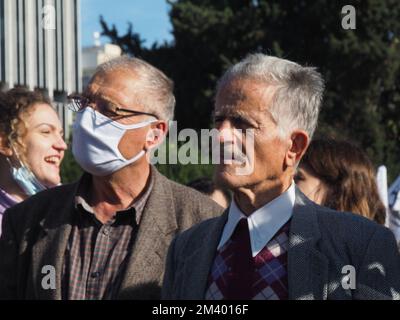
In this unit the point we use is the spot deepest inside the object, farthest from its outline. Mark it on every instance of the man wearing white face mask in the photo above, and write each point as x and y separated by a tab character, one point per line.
106	235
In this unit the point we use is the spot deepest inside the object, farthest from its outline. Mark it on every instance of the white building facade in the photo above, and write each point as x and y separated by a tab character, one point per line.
40	49
95	55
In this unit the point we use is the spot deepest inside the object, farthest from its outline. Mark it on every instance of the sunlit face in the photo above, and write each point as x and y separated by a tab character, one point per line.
310	185
243	104
116	88
43	146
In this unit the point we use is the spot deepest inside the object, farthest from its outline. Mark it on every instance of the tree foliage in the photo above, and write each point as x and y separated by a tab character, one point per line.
361	67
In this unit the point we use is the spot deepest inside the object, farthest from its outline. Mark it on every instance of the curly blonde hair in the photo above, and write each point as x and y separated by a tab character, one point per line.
14	105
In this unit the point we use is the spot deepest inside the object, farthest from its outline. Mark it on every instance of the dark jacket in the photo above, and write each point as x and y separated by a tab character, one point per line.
322	242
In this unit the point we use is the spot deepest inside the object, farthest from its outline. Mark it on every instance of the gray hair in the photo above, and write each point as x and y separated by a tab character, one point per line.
299	90
154	88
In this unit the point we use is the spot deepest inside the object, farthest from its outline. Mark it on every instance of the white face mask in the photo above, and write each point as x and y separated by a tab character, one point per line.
95	142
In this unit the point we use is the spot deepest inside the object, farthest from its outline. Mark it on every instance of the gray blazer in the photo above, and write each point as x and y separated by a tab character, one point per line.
36	232
321	243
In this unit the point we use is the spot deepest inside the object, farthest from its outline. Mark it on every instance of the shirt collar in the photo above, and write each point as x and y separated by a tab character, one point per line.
263	223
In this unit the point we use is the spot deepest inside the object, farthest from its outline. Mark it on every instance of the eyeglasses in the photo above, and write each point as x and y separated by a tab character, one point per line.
78	103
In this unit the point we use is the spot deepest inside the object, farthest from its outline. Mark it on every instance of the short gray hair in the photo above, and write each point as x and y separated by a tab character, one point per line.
299	92
155	89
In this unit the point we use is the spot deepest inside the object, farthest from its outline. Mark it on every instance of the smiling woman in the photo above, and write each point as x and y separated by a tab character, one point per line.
31	146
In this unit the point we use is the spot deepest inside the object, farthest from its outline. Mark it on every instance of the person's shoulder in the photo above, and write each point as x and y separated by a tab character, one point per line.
348	228
38	205
201	228
334	221
195	235
184	191
51	194
342	220
190	199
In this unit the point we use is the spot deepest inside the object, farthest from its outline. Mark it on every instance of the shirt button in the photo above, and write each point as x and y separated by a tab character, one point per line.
95	274
106	231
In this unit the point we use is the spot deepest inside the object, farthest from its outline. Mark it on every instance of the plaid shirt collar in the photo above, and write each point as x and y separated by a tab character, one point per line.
264	223
84	184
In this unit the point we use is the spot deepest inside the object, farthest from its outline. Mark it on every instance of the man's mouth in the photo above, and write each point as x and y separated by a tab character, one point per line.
233	159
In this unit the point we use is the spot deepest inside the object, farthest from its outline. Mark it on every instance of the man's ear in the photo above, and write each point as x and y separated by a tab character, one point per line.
156	134
5	148
298	144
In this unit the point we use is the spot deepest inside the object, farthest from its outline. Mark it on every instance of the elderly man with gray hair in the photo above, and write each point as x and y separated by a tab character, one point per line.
273	242
106	236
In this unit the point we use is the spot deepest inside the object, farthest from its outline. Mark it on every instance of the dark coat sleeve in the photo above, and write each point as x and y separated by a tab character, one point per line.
8	258
169	275
379	273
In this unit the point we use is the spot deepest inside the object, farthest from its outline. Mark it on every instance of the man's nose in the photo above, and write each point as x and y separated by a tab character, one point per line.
226	132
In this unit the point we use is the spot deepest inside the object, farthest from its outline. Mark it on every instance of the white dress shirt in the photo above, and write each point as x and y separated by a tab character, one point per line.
263	223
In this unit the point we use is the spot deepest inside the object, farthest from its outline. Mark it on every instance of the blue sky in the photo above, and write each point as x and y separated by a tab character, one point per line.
149	17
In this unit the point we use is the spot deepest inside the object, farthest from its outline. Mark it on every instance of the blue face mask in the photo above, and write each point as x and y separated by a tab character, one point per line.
26	180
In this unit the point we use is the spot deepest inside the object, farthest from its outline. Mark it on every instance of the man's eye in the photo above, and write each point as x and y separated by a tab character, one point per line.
109	112
84	102
106	108
298	177
239	122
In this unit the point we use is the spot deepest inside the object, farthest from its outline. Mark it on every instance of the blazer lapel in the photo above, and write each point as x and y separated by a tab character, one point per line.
307	267
50	247
156	230
198	265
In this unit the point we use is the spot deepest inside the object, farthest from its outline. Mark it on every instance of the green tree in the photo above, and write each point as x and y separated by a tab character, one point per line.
70	170
361	67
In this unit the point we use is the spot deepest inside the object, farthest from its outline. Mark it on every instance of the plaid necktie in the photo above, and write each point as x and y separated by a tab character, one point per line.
240	282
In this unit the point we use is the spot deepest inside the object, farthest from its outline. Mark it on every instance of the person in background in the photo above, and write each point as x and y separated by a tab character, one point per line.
208	187
31	146
339	175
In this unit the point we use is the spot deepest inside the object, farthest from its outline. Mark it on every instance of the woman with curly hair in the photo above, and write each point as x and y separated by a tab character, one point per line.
31	146
339	175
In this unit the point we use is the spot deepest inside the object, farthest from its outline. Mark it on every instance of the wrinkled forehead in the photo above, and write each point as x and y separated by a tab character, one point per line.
229	110
114	85
244	97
